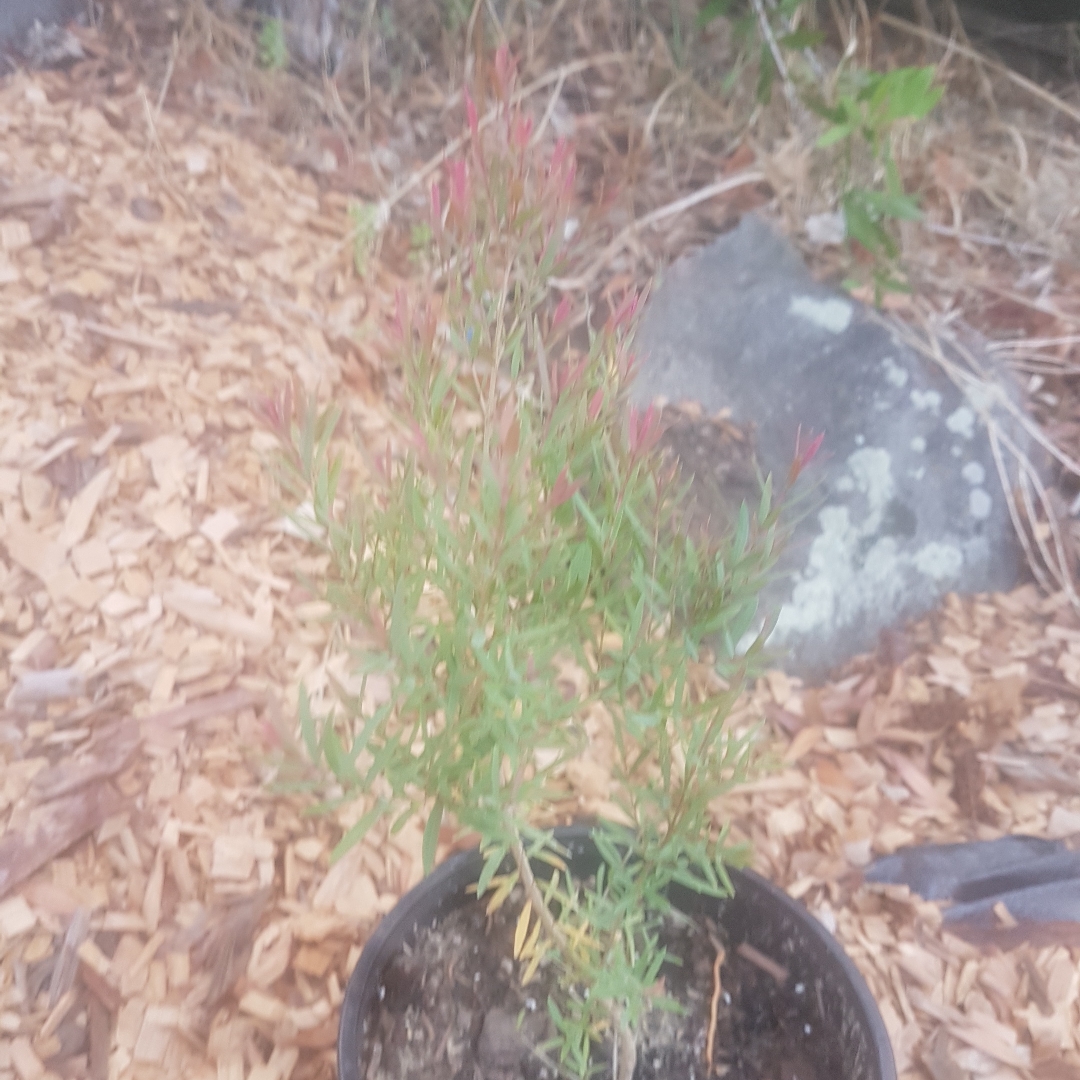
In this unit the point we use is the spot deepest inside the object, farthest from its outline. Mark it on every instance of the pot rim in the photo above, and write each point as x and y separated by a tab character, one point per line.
442	891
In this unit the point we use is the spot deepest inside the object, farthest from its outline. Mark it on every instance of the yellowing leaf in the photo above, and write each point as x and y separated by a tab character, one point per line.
552	859
529	949
580	943
522	929
530	972
502	886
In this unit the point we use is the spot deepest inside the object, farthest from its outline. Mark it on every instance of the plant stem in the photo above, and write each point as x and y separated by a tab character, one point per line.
624	1056
533	893
623	1044
778	59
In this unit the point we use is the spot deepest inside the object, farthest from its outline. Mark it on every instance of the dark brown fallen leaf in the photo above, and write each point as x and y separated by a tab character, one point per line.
99	1032
145	209
229	701
99	987
111	748
109	751
224	946
51	828
53	221
968	779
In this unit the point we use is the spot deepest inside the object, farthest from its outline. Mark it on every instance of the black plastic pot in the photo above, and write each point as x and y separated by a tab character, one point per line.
759	914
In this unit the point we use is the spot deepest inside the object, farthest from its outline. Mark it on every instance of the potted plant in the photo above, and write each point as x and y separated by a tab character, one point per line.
520	581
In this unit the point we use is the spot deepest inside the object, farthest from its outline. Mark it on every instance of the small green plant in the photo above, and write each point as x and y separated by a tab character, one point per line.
863	110
273	47
531	526
365	222
456	14
863	116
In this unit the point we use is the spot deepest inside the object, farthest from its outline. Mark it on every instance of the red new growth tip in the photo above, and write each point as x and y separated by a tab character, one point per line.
470	114
521	131
625	311
594	404
276	410
564	376
504	70
562	490
643	430
560	154
562	313
569	176
436	205
459	189
627	364
804	455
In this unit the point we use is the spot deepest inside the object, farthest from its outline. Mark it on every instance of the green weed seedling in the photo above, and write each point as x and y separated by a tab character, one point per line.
864	114
863	111
273	49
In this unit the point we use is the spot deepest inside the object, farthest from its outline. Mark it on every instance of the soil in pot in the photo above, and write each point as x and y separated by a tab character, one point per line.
452	1008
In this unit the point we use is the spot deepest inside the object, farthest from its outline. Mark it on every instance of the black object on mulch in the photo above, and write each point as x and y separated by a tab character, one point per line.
1005	892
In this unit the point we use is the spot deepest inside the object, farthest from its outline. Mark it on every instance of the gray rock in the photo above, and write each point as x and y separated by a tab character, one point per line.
17	18
909	506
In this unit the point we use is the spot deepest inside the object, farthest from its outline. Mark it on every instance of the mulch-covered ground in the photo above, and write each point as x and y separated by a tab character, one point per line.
163	908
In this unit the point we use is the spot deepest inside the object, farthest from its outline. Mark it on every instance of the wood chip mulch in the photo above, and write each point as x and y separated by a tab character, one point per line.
165	911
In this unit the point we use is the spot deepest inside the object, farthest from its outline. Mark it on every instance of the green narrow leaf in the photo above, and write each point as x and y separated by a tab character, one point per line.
492	861
581	564
765	506
431	836
714	9
403	819
833	135
400	621
370	726
742	533
732	77
341	764
741	623
766	75
359	830
307	725
803	38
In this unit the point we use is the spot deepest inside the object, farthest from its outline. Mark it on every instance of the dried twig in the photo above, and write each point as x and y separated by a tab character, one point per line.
714	1004
654	112
709	191
765	26
766	963
167	80
987	241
